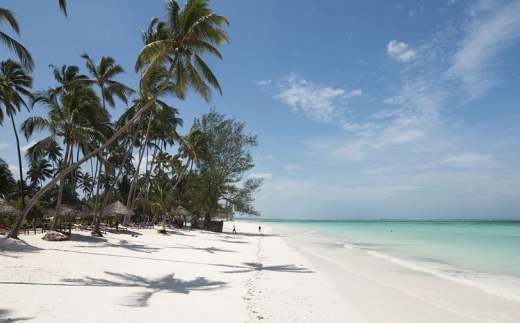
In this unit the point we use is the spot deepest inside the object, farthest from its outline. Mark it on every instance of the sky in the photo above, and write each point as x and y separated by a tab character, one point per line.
363	109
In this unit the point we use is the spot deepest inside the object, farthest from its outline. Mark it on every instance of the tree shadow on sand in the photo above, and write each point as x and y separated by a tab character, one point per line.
256	266
11	247
211	250
167	283
6	316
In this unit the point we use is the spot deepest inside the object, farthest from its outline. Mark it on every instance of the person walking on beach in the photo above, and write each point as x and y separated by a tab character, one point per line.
259	229
234	231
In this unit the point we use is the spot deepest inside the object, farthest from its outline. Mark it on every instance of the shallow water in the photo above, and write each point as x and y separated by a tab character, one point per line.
481	254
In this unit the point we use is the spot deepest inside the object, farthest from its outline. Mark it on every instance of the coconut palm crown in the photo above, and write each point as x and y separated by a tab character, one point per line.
185	35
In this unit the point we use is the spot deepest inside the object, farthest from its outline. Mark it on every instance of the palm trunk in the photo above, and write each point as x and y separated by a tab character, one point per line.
54	224
19	219
98	184
16	230
136	173
96	231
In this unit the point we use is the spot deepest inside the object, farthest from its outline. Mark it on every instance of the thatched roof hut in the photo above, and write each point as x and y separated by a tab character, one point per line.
7	209
117	209
69	207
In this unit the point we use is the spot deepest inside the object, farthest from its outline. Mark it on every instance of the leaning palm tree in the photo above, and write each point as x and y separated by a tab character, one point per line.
14	84
20	51
193	30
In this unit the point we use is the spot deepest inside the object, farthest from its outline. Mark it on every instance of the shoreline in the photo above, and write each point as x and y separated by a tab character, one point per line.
368	281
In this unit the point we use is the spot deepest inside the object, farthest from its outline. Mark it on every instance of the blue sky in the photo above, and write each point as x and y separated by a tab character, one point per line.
363	109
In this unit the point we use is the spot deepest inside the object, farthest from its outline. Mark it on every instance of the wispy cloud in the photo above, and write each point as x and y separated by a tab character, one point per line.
320	103
475	58
260	175
263	82
465	160
267	157
4	145
399	51
291	168
417	113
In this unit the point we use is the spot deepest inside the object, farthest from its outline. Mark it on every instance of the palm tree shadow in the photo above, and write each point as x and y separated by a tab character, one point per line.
211	250
5	316
167	283
256	266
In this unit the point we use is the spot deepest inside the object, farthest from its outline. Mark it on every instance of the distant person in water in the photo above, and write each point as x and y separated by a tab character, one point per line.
234	231
259	229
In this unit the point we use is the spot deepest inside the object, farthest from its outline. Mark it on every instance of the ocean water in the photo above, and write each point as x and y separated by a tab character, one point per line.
481	254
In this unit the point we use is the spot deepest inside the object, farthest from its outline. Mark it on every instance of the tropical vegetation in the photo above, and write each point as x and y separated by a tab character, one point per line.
86	154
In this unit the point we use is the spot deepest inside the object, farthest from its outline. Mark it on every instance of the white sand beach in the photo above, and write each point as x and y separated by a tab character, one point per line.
193	276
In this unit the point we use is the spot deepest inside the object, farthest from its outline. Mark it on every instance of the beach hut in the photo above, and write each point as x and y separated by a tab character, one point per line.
71	208
7	210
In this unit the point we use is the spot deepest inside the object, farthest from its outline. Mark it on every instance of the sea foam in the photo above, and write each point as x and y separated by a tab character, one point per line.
499	285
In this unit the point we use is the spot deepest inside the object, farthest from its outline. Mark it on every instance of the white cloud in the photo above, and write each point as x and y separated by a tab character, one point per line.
15	170
464	159
29	145
318	103
263	82
352	150
399	51
477	54
268	157
4	145
292	167
260	175
354	93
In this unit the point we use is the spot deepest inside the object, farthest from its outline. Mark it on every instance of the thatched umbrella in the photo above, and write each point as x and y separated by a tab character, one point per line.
181	211
7	209
118	209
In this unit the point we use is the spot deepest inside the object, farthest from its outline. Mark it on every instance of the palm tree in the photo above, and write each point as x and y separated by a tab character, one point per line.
14	82
187	33
193	31
39	171
86	182
20	51
159	202
23	54
68	77
7	180
63	6
47	148
102	74
74	116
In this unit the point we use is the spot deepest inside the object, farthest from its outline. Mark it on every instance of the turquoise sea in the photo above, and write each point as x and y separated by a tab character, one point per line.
482	254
